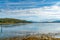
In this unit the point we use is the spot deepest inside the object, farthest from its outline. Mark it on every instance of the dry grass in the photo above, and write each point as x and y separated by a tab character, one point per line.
43	37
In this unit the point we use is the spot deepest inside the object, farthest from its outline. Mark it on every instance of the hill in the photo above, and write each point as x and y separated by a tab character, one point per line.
12	21
55	21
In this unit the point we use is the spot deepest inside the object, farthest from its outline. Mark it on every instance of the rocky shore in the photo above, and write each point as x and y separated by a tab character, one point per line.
32	37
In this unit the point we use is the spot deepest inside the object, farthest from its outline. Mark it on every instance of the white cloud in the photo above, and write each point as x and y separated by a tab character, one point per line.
46	13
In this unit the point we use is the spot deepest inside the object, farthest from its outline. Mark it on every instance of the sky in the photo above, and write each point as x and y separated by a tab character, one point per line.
31	10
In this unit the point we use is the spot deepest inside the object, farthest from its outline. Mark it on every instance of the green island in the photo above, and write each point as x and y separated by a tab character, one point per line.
12	21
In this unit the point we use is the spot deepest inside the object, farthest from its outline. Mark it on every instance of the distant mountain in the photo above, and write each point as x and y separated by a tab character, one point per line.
55	21
12	21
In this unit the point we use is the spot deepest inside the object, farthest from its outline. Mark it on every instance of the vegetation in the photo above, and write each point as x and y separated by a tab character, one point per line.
12	21
33	37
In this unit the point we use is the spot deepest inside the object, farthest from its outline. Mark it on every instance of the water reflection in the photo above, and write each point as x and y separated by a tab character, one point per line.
13	25
41	27
24	28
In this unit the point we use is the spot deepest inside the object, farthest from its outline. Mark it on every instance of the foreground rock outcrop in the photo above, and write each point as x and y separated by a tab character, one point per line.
33	37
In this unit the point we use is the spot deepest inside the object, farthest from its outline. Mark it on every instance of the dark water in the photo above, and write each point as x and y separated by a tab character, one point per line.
23	28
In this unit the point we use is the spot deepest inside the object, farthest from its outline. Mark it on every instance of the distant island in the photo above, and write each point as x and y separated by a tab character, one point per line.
55	21
12	21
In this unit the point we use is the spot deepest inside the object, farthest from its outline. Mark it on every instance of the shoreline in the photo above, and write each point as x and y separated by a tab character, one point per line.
32	37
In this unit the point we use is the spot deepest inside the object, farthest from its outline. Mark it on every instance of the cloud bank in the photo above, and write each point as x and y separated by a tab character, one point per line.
46	13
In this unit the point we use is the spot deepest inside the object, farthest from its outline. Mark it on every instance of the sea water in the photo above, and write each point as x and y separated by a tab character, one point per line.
10	30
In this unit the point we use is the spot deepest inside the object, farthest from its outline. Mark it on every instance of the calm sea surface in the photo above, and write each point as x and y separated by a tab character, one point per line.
9	29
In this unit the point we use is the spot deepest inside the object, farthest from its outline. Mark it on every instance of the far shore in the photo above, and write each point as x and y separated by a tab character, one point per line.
12	21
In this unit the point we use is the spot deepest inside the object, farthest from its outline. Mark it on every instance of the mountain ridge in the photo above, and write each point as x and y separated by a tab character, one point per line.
12	21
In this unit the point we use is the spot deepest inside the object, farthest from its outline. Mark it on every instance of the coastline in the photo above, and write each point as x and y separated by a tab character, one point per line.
32	37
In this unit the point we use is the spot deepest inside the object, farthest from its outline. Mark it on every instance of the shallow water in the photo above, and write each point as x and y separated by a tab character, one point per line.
30	27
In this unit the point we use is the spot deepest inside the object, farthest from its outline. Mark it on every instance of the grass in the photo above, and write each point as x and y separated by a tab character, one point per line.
33	37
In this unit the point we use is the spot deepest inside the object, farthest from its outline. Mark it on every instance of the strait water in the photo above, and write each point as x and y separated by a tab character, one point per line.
10	30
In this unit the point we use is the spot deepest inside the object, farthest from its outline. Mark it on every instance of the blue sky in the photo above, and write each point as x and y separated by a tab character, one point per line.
32	10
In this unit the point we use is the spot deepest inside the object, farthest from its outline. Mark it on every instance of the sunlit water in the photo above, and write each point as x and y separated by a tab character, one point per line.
21	29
